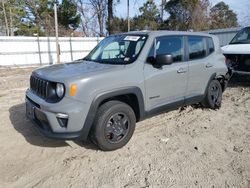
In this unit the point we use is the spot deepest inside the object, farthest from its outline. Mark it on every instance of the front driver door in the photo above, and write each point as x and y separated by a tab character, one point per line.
168	84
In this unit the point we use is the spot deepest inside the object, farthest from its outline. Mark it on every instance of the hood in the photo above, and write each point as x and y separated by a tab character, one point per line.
236	49
74	69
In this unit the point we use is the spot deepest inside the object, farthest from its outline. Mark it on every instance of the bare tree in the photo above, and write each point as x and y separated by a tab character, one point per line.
11	23
100	7
110	17
84	19
5	19
246	20
199	19
93	13
88	21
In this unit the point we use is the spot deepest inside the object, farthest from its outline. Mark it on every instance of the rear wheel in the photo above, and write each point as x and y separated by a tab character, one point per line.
213	96
113	126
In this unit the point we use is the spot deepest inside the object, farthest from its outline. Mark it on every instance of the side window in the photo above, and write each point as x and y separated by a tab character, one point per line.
210	45
170	45
196	47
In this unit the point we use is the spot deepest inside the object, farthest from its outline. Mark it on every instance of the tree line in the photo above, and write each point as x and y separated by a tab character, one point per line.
96	17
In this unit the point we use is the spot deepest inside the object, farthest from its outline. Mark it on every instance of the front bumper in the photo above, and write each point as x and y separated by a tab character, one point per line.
45	116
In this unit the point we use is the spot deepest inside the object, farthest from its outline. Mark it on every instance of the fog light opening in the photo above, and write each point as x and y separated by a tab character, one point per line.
62	119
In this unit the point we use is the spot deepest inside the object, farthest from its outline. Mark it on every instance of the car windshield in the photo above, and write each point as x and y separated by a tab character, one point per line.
118	49
242	37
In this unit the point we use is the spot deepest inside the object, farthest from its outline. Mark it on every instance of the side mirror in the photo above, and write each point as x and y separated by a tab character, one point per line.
165	59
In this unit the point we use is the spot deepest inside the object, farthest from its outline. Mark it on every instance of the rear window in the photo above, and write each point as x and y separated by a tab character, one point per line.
196	47
210	45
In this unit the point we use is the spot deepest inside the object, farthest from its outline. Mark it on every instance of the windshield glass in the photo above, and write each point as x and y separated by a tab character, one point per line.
118	49
242	37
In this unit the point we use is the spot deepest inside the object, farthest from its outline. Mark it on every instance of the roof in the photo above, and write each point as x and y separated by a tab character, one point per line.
164	32
226	30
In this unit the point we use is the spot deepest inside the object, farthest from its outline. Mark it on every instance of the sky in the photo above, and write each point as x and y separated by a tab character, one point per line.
240	7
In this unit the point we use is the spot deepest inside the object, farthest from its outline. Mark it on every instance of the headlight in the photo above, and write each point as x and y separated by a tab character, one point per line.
59	90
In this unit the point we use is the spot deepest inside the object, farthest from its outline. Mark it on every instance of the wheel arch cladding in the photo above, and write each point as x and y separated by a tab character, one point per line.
132	96
220	78
223	81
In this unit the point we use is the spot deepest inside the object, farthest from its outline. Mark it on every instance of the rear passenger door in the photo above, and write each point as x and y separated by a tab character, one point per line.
200	64
168	83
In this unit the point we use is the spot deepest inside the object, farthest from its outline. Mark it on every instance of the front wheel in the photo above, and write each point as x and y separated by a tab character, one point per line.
113	126
213	96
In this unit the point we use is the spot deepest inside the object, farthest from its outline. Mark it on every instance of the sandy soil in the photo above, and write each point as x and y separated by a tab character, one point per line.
190	147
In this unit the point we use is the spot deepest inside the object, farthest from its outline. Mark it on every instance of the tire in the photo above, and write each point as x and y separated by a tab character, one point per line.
213	96
113	126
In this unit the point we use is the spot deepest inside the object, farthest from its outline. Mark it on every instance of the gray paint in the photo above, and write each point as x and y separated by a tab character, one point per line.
94	79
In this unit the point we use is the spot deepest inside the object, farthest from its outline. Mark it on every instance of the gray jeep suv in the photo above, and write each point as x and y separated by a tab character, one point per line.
126	78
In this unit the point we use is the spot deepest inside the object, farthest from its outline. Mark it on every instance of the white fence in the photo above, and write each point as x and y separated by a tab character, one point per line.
30	51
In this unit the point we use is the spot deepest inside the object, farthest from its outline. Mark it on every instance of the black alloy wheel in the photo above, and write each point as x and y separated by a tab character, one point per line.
213	96
113	126
117	127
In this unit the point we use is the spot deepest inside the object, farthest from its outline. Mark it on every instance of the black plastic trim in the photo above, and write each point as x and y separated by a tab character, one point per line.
164	108
174	106
41	123
143	114
103	96
61	136
51	85
83	134
178	104
194	99
210	79
32	102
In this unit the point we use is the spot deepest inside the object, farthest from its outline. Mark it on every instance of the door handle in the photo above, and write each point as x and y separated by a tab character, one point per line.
209	65
181	70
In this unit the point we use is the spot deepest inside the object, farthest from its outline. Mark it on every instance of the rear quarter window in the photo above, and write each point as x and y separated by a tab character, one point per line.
210	45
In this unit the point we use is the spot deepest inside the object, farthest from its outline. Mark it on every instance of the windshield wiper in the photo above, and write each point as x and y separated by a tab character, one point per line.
238	42
86	59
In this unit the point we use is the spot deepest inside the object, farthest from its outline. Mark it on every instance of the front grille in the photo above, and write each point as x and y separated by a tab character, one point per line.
39	86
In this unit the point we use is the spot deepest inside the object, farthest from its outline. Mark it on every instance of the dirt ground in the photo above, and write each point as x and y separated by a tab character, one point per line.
190	147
